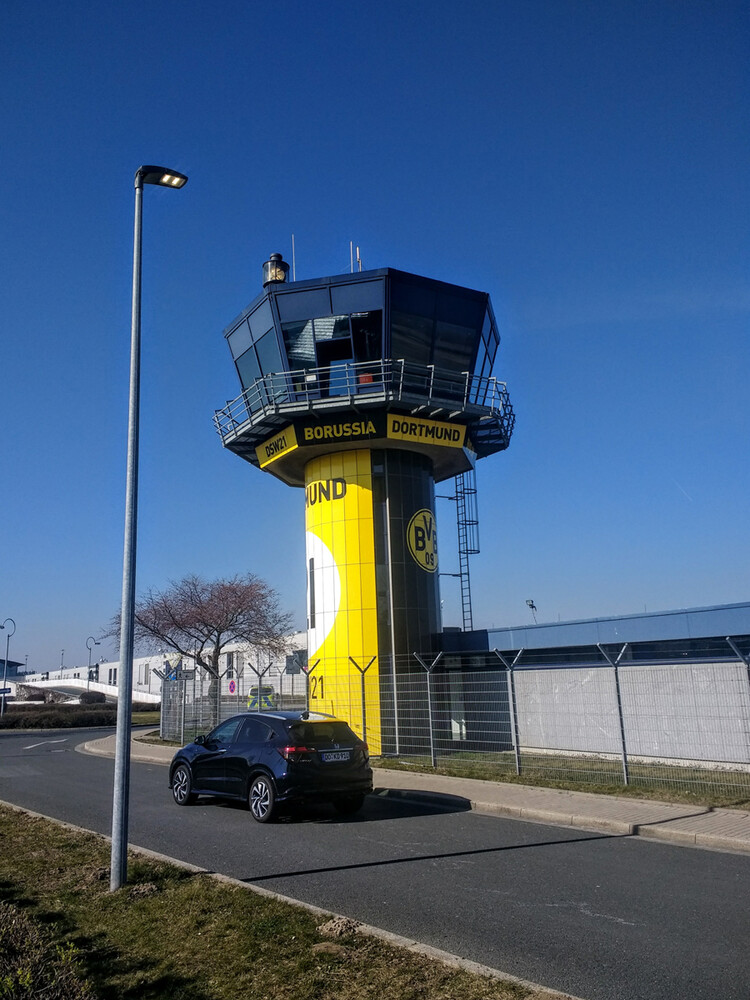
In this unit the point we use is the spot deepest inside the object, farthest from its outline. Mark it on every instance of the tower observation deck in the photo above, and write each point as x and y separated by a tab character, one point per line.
366	389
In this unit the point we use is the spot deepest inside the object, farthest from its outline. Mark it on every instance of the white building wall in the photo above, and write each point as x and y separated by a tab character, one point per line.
239	662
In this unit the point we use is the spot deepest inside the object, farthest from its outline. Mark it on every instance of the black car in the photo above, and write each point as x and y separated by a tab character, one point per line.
275	759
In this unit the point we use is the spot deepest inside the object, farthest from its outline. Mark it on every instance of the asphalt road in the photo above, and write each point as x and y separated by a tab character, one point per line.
598	916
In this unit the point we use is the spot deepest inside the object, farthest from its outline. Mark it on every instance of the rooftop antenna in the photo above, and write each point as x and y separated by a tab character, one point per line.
294	262
351	256
532	608
359	260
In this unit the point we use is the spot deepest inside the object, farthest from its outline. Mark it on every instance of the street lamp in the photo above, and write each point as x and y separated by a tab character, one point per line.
5	666
96	643
162	177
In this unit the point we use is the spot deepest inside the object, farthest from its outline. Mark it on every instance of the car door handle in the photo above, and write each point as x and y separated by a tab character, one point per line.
222	751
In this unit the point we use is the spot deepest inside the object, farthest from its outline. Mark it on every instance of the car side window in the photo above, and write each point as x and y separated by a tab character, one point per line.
254	731
225	733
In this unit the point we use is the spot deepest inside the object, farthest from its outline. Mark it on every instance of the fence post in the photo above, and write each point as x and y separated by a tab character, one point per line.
183	691
740	656
308	671
510	680
192	705
239	673
162	714
433	754
362	672
260	674
615	666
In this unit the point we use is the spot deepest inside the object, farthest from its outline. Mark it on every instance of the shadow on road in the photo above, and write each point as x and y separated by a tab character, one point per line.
432	857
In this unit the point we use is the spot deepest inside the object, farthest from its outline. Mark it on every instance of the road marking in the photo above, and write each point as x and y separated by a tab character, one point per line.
45	743
588	912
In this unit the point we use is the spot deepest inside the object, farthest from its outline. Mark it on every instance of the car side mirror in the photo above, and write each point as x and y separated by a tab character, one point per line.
200	740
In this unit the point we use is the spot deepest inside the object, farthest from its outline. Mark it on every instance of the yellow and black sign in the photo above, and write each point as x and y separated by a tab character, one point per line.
334	431
426	431
421	537
376	428
280	444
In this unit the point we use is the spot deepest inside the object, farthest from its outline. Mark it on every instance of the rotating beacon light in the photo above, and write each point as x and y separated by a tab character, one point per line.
366	389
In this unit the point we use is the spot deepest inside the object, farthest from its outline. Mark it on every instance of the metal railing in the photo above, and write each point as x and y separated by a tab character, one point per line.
371	381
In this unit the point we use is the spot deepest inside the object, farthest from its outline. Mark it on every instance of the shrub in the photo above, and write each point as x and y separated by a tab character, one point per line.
51	716
93	698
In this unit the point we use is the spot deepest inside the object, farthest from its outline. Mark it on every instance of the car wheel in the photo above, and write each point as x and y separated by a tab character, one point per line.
262	799
182	786
349	805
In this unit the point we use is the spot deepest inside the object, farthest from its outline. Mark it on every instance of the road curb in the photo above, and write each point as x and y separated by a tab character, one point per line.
616	828
592	823
98	751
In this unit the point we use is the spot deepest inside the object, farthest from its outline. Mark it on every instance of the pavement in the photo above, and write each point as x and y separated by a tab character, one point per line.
684	825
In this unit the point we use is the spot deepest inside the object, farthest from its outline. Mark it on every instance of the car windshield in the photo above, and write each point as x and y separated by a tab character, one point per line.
321	732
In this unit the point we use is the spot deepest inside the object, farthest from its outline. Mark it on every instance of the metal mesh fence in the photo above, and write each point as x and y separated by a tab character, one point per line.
655	726
684	726
196	702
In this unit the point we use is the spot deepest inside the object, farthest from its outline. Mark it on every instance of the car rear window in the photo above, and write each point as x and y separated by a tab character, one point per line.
321	732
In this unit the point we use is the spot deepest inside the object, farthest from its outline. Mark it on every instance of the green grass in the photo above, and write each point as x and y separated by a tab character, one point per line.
171	933
668	783
155	740
145	718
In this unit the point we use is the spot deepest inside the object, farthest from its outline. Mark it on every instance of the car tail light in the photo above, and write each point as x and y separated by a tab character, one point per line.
295	753
365	752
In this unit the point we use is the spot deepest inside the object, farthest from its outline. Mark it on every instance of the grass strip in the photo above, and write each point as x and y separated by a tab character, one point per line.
667	783
173	933
31	966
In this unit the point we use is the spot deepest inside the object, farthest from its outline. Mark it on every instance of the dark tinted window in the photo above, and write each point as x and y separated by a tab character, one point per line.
226	732
254	731
454	346
411	337
321	732
261	320
239	340
367	335
331	327
248	367
300	345
269	355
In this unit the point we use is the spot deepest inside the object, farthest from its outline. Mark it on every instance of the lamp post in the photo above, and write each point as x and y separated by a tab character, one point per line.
162	177
96	643
5	666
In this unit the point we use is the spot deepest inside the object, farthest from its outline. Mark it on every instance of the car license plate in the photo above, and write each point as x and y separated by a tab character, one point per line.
332	757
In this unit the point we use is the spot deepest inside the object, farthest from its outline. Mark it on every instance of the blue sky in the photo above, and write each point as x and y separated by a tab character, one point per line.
586	163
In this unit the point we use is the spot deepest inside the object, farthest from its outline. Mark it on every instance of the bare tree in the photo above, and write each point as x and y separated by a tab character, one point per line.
198	618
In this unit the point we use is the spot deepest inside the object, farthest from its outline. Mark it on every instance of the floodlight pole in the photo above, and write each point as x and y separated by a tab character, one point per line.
119	857
88	675
8	634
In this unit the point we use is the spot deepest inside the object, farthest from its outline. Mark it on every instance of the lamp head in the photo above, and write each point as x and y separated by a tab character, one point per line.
162	176
275	270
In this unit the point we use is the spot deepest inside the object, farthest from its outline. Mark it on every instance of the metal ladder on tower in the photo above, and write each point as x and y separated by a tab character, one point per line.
467	520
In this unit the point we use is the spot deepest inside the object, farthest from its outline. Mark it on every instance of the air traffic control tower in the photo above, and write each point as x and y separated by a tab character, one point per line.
366	389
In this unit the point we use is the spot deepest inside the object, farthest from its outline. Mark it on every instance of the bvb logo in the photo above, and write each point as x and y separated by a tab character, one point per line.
421	536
